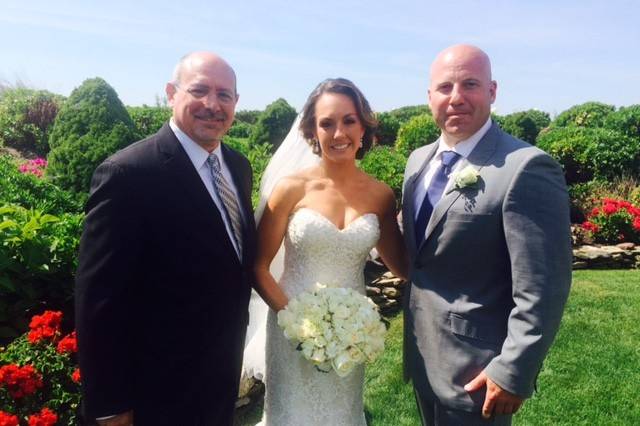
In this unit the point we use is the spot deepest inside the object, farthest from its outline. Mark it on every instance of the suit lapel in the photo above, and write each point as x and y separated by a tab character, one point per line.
408	210
180	167
477	158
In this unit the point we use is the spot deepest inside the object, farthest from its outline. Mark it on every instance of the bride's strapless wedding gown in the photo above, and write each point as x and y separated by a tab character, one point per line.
316	251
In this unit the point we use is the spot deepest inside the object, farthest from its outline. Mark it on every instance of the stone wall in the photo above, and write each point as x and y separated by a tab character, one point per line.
621	256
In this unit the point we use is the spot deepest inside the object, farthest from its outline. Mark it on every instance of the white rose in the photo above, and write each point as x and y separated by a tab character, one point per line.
465	177
343	364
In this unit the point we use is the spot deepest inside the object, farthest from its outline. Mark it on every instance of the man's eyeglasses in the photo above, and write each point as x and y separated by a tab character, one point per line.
200	92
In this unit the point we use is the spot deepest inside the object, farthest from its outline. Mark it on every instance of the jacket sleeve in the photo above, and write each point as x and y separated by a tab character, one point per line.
538	238
109	250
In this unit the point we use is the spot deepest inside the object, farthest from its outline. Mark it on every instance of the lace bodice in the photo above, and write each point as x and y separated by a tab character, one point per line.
316	251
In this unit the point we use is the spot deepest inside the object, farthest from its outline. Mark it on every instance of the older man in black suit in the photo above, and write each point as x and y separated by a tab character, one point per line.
163	282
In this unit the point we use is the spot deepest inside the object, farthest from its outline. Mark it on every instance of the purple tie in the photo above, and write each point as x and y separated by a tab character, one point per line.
434	193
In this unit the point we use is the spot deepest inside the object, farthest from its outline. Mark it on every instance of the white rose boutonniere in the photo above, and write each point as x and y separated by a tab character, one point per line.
464	178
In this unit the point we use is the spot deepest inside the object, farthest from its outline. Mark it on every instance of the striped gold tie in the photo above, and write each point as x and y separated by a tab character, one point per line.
229	201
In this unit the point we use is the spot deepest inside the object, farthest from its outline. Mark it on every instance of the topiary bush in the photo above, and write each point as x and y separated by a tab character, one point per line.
92	125
626	120
525	125
419	131
148	119
588	153
273	124
387	130
26	118
32	192
387	165
588	114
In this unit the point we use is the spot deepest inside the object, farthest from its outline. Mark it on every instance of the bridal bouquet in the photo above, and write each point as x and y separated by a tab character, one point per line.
334	328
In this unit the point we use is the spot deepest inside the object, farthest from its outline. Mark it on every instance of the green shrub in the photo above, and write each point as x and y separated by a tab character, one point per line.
248	116
406	113
91	125
37	264
239	144
387	165
26	117
525	125
259	156
240	129
587	153
626	120
273	124
148	119
589	114
32	192
387	130
419	131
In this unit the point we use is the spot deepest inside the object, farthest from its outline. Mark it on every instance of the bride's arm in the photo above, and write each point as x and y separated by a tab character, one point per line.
391	244
271	230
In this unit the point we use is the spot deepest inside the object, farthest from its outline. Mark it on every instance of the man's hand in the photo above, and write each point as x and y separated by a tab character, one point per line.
124	419
497	400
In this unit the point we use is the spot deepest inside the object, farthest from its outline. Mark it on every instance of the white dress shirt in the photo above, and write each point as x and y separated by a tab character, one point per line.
463	148
198	156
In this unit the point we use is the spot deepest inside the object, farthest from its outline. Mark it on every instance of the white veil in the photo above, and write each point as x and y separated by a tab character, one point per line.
293	154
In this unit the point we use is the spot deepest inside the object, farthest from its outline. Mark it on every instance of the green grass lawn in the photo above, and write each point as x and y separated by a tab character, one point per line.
591	376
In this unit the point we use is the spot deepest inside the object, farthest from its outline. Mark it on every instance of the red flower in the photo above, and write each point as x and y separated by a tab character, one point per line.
8	419
595	212
45	327
590	226
76	377
68	344
636	223
45	417
20	381
609	208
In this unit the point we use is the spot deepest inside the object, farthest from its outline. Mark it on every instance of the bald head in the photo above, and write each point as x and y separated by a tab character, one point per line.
461	91
462	55
201	59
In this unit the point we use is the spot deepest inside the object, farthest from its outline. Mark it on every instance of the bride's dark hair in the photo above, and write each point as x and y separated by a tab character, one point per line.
343	87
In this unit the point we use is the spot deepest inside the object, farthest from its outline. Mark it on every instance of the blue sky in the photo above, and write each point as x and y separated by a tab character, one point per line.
546	55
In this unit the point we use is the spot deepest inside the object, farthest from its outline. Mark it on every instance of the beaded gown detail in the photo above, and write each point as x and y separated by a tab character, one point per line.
316	251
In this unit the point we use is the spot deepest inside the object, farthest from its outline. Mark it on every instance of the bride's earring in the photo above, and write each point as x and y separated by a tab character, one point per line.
316	147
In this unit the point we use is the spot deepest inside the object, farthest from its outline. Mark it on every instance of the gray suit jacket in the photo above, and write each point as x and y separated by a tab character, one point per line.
489	282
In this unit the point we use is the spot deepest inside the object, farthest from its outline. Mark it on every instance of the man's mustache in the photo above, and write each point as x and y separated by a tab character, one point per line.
207	114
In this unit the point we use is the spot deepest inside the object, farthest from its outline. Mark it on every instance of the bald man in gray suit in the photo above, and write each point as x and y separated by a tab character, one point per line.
486	222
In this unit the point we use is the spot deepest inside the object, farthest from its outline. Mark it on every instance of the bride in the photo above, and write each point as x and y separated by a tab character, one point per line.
330	215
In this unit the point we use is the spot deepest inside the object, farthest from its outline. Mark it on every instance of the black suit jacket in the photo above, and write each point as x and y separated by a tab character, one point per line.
161	297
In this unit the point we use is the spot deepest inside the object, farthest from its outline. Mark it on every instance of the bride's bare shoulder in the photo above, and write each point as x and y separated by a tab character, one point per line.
291	189
378	191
